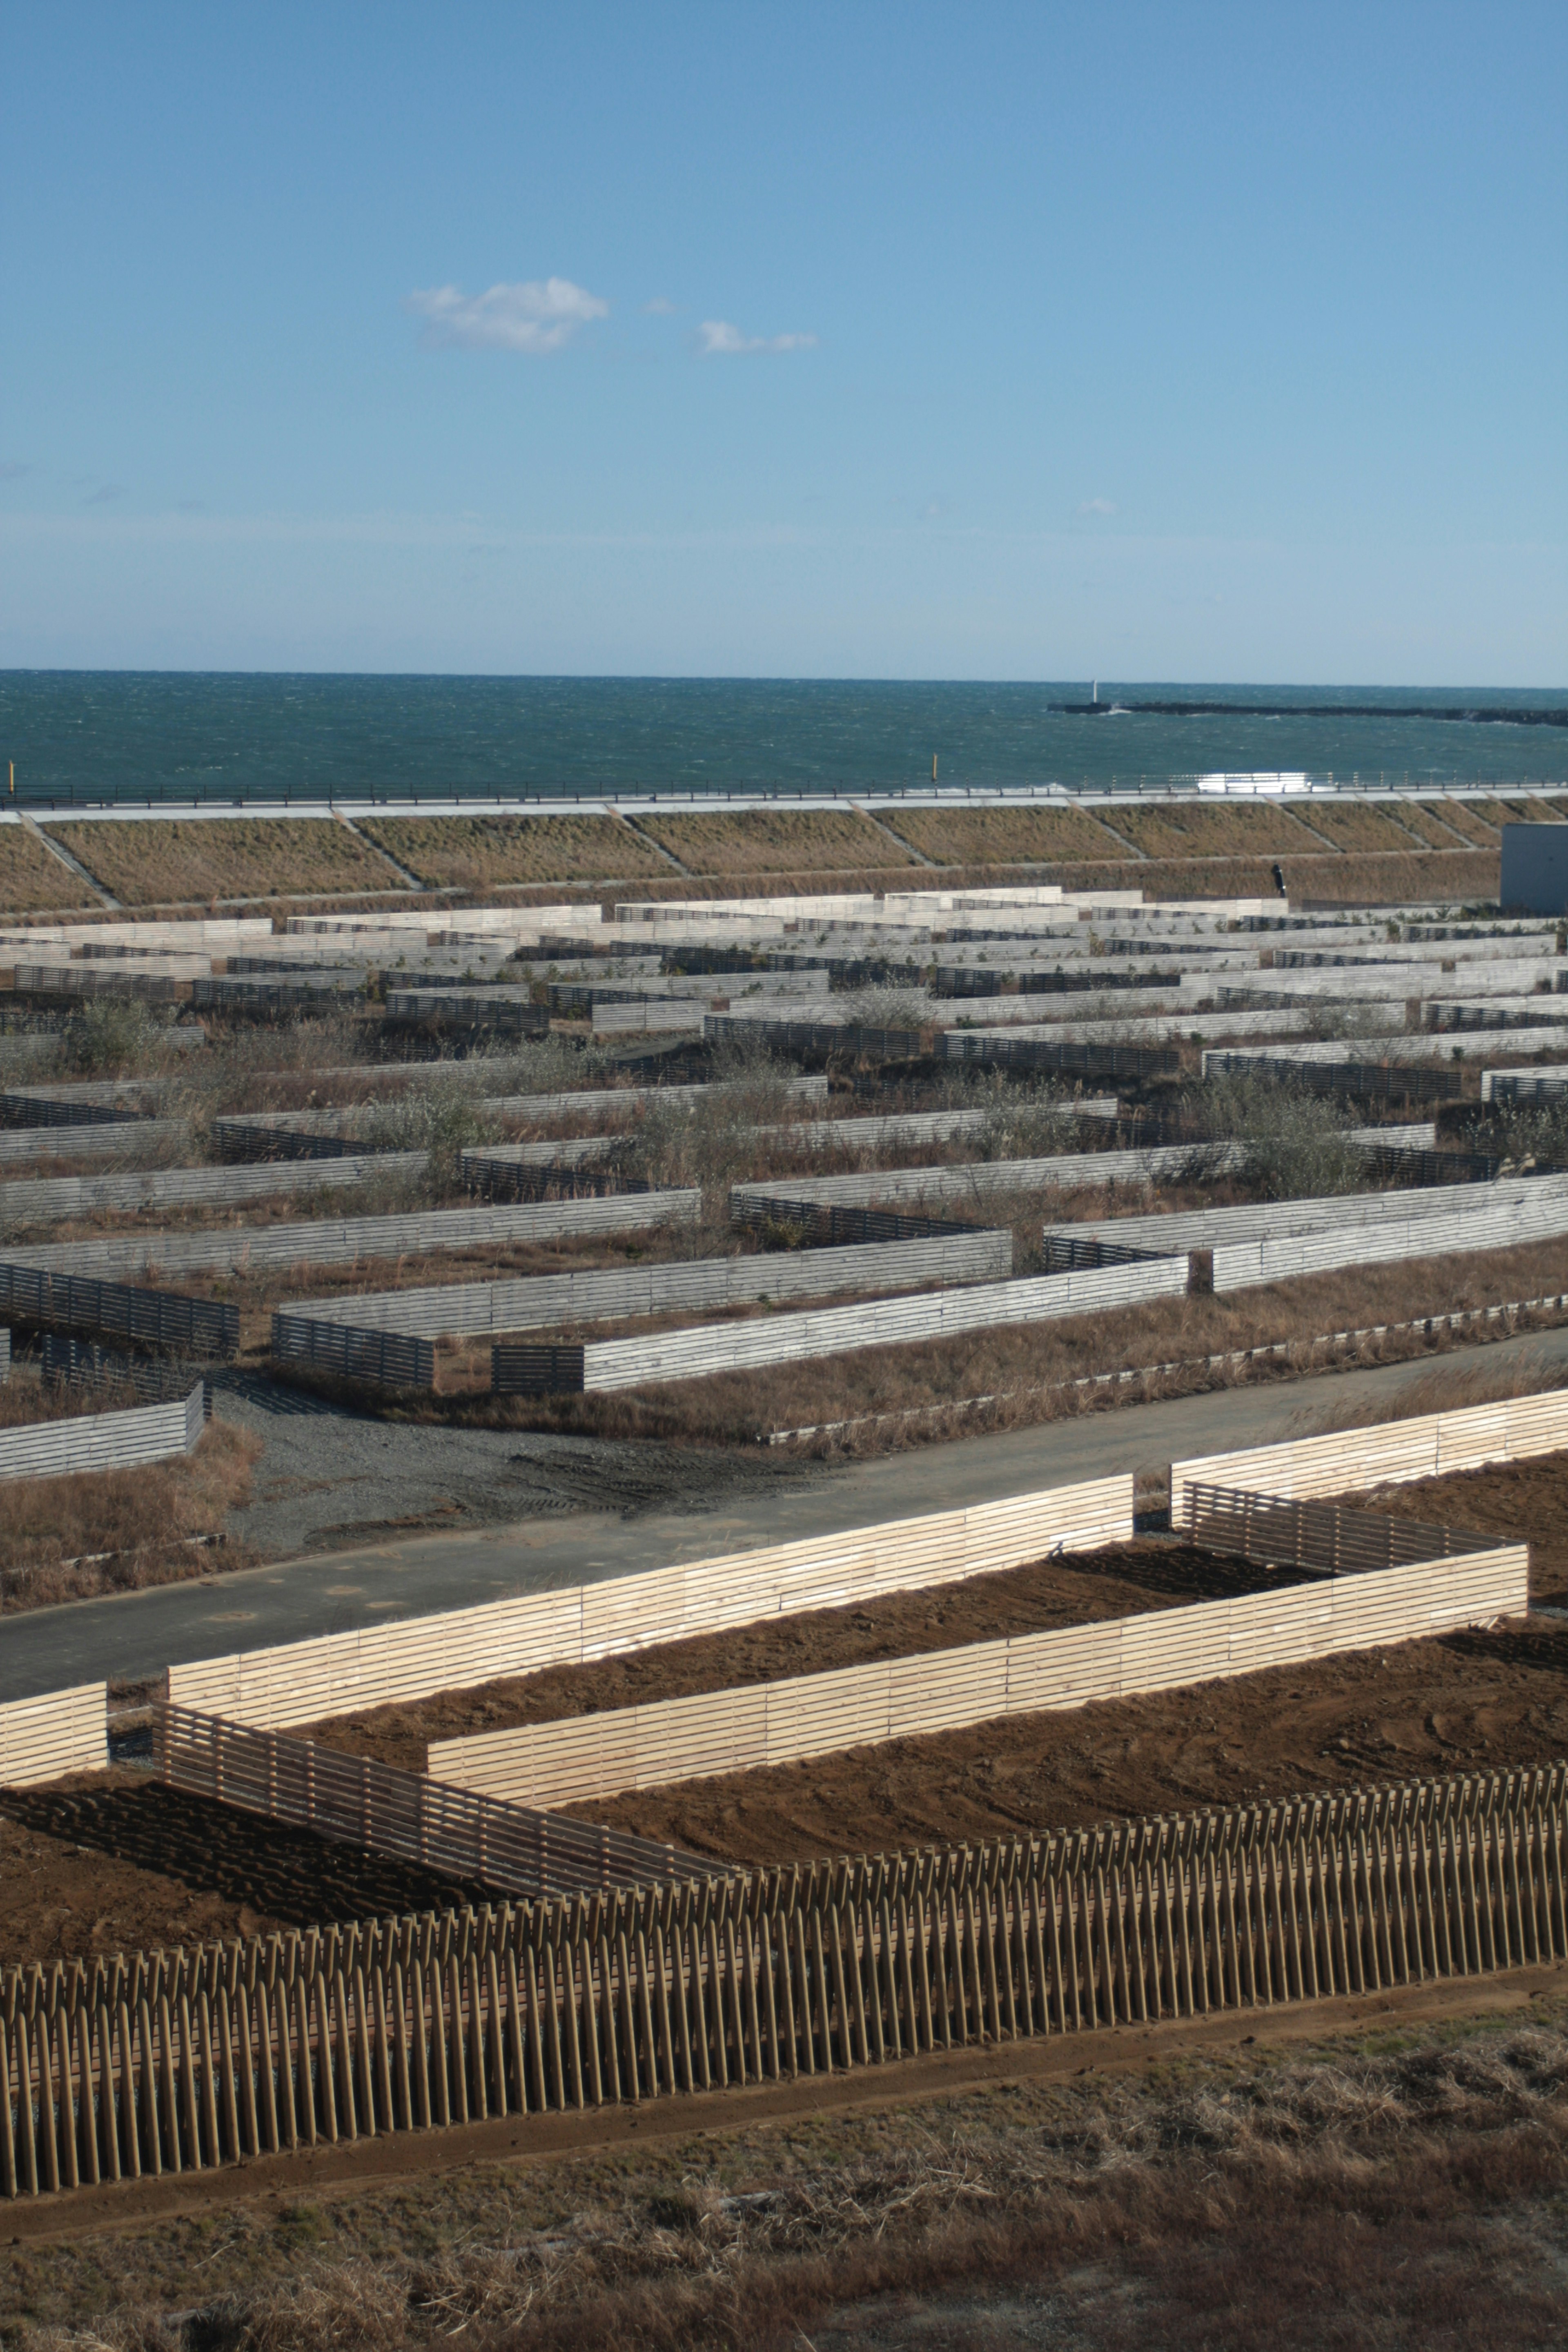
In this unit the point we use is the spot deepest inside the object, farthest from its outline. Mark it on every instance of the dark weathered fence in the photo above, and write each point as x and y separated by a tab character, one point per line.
161	1318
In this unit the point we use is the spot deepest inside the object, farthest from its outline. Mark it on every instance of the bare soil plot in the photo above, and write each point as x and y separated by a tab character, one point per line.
113	1862
1351	825
766	841
1470	1702
480	853
987	836
1525	1501
1198	829
185	862
30	879
1083	1589
1021	1365
118	1530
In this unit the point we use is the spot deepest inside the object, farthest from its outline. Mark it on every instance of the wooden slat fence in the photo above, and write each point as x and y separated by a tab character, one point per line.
1427	1446
1485	1226
973	1179
104	1139
760	1725
160	2063
62	1731
164	1318
356	1801
1329	1213
302	1682
42	1199
103	1440
535	1301
345	1241
703	1348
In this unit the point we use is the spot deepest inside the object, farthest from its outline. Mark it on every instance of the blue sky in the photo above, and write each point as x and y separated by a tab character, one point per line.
970	340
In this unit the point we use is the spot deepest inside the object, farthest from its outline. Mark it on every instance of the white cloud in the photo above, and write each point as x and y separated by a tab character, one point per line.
1097	506
537	315
717	338
658	308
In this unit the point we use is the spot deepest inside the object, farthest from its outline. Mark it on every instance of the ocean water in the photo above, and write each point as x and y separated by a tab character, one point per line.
177	736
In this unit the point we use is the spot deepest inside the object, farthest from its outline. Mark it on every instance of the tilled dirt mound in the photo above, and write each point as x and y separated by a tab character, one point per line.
1525	1502
1123	1582
1468	1703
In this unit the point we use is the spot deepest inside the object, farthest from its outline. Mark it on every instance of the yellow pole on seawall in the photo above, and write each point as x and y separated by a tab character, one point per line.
934	767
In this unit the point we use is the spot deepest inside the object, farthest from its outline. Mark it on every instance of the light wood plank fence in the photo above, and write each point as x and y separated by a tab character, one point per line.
1427	1446
162	2062
544	1368
103	1440
62	1731
760	1725
301	1682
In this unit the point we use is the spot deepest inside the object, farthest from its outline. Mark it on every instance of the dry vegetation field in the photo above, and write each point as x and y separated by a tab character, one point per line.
480	853
1001	836
177	862
31	881
1343	2181
774	841
120	1530
1200	829
1360	830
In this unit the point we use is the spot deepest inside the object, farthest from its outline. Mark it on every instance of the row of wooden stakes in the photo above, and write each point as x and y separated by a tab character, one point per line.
167	2063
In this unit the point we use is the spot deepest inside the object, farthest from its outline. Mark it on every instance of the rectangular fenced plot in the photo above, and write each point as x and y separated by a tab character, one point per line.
833	1330
1392	1453
153	2062
772	1723
303	1681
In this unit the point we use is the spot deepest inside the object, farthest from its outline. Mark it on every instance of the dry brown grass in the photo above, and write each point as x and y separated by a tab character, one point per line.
772	841
1460	816
1501	811
1352	826
191	861
142	1519
1375	880
1397	2189
1425	820
988	836
1017	1362
31	881
1200	829
476	852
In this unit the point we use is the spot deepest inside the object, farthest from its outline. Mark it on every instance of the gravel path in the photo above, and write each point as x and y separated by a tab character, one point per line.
330	1477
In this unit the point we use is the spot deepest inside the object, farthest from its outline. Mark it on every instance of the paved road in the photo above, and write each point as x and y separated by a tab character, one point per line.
134	1635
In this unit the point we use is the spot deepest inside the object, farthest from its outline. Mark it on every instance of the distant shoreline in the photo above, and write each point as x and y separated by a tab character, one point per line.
1493	714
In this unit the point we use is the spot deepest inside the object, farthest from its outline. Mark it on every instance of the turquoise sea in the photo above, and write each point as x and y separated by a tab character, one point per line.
177	736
